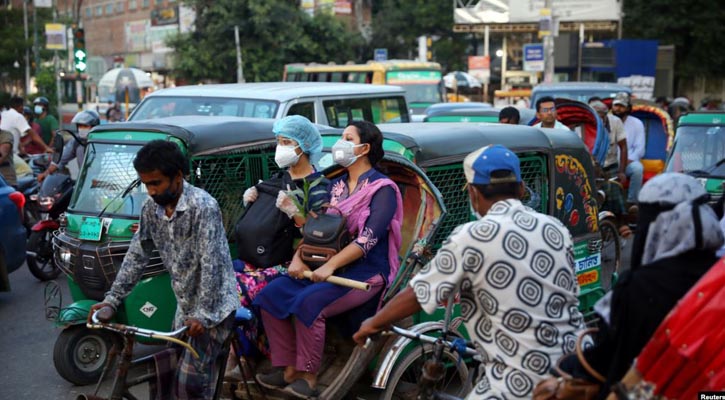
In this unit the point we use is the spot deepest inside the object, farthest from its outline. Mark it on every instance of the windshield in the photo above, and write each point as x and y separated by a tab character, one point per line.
422	93
420	86
168	106
107	172
578	95
698	148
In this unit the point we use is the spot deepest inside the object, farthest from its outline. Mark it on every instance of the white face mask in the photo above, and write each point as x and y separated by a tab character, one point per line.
83	132
286	156
343	153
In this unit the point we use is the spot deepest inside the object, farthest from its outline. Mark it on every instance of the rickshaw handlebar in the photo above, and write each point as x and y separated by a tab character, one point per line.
172	336
457	345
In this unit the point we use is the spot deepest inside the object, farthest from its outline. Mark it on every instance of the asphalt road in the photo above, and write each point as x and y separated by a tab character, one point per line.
27	339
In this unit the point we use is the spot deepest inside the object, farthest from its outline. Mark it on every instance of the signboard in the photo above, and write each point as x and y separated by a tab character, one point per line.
187	17
381	54
643	87
43	3
343	7
545	22
136	35
412	77
158	36
480	68
165	16
527	11
55	38
534	57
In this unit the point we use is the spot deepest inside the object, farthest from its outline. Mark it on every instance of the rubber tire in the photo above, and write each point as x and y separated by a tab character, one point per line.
415	359
354	368
49	271
69	343
610	236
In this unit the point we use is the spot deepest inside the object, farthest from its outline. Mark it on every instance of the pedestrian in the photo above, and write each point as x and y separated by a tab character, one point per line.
546	114
14	122
184	223
514	268
509	115
75	148
48	123
295	311
113	114
634	130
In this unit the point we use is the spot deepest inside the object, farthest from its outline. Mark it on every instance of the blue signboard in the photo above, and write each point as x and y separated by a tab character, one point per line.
534	57
381	54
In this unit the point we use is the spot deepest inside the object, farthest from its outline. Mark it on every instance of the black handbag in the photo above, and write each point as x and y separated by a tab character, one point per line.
323	236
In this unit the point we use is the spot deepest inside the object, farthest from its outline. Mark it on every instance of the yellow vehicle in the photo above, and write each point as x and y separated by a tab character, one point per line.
421	80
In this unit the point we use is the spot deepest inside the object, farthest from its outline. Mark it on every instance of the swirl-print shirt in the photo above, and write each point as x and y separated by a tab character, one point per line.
193	246
515	271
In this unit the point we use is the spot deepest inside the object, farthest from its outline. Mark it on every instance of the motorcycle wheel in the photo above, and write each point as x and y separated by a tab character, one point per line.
80	353
42	265
403	382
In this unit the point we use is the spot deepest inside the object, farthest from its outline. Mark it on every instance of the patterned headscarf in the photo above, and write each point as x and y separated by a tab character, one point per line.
674	218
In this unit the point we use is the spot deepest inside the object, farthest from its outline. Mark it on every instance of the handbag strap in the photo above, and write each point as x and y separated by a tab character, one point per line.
583	360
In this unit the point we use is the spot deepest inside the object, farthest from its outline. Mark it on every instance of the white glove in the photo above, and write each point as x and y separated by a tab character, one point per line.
250	195
286	205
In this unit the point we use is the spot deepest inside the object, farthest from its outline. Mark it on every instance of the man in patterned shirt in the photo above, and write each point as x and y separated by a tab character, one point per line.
184	223
514	268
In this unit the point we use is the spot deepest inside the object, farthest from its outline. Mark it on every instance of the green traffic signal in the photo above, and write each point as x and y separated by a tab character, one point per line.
79	54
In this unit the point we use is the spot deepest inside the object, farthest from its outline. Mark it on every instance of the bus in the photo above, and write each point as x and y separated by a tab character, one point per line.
421	80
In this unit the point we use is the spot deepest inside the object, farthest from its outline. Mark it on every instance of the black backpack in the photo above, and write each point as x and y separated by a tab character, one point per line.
264	234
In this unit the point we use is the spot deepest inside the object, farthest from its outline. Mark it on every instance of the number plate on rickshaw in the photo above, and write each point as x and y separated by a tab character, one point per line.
91	229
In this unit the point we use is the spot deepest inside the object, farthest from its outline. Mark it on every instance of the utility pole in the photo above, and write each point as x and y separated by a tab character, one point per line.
27	50
486	54
240	74
36	50
548	33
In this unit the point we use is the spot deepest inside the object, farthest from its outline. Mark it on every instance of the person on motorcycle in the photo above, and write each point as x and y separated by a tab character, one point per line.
515	271
26	142
184	223
85	121
48	123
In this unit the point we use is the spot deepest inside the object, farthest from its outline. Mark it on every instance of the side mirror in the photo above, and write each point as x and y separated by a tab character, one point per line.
57	147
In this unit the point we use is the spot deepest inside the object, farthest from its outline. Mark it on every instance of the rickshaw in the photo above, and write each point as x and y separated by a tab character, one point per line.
659	132
227	154
699	150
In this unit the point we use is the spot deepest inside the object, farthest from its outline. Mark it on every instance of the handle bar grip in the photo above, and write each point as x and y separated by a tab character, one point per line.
103	314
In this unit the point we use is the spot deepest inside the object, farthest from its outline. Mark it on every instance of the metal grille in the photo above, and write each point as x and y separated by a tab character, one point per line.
450	180
226	177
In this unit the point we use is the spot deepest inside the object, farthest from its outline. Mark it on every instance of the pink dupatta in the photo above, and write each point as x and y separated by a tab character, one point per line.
356	209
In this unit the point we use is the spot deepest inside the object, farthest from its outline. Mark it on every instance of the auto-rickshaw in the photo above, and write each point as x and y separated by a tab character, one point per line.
227	155
556	168
659	132
699	150
473	114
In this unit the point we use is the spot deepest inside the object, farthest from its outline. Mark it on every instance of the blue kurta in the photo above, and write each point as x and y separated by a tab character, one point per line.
286	296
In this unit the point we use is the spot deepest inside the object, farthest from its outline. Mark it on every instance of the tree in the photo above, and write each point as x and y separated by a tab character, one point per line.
272	33
398	23
693	26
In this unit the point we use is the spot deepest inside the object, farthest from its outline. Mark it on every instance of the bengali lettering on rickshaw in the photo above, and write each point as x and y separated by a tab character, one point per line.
574	170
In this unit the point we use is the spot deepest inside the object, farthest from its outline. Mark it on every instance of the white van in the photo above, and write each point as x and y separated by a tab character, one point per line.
324	103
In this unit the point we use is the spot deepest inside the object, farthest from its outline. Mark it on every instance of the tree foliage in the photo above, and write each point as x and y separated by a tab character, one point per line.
693	26
272	33
398	23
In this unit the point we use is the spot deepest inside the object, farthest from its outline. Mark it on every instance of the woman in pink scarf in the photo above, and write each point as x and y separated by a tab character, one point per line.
374	211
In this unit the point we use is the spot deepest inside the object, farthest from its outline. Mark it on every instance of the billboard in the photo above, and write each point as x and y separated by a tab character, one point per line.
55	37
527	11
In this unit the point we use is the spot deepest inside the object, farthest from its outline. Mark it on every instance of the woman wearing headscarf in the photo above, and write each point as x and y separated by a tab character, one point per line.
299	146
295	311
677	236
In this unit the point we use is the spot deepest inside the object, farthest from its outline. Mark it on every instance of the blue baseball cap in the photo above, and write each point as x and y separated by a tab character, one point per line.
478	165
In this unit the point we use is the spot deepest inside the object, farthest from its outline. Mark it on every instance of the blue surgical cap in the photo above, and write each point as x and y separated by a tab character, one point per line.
304	132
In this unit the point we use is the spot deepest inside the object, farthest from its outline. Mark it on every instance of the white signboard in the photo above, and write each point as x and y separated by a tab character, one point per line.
158	37
187	17
527	11
643	87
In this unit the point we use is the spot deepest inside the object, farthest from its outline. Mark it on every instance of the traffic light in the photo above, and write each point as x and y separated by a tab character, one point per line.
428	46
79	50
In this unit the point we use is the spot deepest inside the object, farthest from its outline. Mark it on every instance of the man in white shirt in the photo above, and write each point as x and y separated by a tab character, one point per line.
546	113
514	268
634	129
14	122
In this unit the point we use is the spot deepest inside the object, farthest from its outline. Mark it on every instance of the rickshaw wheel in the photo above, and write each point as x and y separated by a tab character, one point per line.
352	370
80	354
403	381
611	252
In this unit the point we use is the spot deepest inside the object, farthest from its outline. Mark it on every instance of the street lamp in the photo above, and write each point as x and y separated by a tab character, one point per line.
16	64
499	53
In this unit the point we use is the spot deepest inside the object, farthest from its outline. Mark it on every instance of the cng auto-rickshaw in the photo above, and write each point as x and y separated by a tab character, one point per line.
227	155
699	150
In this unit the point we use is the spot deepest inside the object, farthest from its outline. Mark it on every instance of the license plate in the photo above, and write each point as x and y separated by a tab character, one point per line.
91	229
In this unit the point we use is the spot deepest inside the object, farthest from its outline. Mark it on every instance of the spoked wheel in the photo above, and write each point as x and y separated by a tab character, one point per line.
41	265
403	382
80	353
611	252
